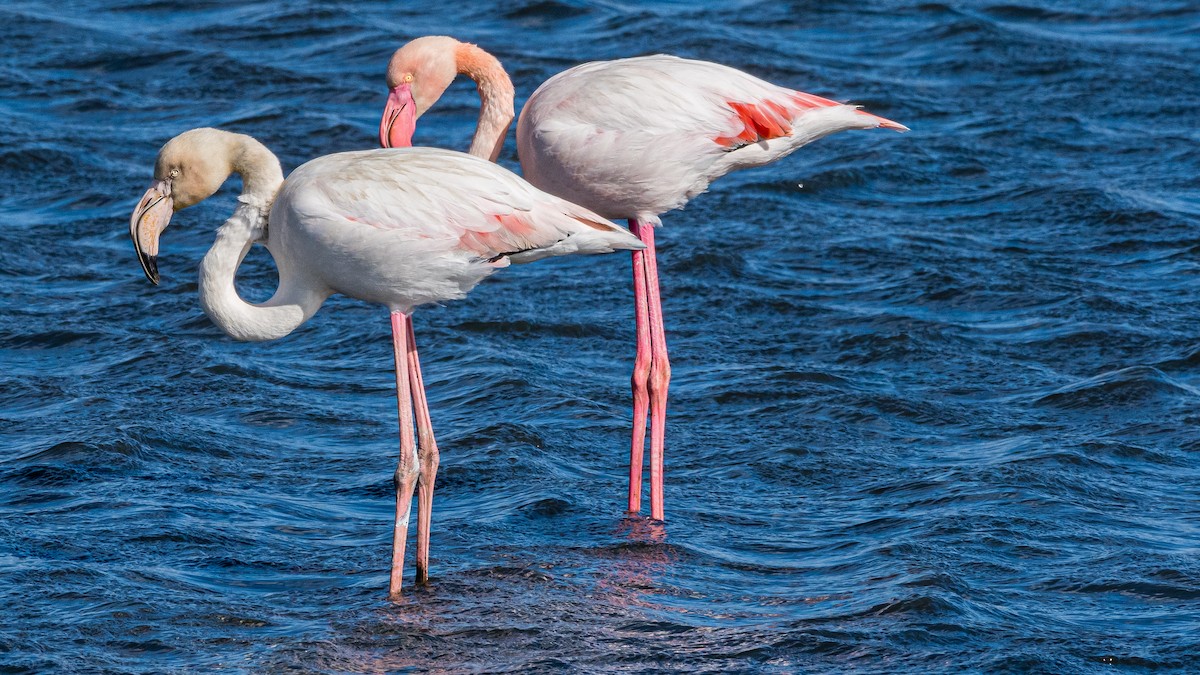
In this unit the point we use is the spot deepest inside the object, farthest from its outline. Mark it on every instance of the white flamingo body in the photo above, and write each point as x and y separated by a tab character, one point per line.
635	138
414	226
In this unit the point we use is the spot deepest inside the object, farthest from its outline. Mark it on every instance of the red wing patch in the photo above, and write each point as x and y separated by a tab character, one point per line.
513	235
760	122
769	119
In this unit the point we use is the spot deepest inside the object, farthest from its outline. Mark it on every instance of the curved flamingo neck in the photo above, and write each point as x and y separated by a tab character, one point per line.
496	94
295	300
260	171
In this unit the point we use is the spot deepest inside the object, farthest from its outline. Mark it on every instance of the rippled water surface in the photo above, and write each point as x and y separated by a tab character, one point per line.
936	397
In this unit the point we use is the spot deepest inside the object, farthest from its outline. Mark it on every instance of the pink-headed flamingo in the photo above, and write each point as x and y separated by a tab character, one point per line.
632	139
402	228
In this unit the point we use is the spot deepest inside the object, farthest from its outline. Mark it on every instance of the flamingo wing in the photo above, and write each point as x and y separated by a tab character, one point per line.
668	94
471	205
641	136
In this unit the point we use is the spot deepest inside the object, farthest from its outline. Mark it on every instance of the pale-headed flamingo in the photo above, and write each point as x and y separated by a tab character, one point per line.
402	228
632	138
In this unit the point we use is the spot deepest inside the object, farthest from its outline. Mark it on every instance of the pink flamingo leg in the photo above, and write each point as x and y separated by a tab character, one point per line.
660	374
641	374
406	472
427	454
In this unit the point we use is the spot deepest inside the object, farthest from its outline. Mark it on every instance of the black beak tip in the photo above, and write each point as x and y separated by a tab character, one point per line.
151	263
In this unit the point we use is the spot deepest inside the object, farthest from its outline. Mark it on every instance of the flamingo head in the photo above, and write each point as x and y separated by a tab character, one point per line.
417	75
190	168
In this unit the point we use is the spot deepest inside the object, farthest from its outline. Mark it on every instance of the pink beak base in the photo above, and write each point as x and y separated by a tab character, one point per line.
399	118
149	219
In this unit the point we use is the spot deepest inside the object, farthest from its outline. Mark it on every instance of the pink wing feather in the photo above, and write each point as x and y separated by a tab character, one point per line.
474	206
638	137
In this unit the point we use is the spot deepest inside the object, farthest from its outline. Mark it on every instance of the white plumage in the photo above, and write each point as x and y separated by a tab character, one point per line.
402	228
635	138
412	226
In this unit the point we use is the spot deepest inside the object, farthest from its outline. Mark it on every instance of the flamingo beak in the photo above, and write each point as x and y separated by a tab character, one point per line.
399	118
150	218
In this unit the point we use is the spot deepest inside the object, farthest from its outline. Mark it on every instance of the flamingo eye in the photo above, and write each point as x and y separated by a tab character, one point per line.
174	173
408	77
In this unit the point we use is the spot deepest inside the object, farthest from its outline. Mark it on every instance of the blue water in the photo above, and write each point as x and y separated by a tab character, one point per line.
935	399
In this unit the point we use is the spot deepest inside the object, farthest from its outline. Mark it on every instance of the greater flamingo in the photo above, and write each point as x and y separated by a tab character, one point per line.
632	138
401	228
